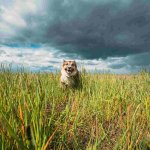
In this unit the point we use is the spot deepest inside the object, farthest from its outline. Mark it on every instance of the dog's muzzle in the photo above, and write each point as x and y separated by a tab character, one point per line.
69	69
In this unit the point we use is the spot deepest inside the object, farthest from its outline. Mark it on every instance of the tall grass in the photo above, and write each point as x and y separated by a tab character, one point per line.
109	112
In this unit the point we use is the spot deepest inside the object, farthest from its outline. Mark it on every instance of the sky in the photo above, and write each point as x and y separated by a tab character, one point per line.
102	35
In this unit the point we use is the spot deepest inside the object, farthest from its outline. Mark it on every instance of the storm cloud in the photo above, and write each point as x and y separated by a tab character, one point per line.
97	29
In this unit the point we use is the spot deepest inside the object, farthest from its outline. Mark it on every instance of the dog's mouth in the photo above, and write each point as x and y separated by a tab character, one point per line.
69	70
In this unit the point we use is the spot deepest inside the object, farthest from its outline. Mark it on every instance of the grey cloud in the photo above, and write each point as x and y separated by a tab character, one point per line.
90	29
139	59
132	63
45	69
117	65
2	52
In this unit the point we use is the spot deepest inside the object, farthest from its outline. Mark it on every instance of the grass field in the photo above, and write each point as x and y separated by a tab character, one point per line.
110	112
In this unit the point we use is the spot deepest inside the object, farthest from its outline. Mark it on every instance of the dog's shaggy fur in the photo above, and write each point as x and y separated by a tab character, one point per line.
69	75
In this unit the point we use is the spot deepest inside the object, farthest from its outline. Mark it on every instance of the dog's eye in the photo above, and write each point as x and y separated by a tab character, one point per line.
72	65
66	64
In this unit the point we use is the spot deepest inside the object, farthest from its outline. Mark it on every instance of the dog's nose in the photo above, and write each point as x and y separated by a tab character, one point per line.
69	67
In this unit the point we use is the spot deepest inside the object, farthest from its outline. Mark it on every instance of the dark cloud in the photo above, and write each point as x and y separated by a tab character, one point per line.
142	59
117	65
132	62
90	29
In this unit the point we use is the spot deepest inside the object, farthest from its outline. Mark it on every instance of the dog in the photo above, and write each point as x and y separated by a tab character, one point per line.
70	77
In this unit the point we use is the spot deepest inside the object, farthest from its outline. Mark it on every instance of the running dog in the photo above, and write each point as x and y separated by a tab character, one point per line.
69	74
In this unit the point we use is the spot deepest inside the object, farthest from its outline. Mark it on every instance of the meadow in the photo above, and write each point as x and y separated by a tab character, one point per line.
110	112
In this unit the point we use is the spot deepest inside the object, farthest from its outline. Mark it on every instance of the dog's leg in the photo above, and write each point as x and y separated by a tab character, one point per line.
63	85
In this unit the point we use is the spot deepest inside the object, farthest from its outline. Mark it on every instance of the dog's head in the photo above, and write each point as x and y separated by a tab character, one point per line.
69	67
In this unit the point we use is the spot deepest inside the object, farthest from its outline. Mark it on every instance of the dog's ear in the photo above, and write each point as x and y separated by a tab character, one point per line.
63	62
75	63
